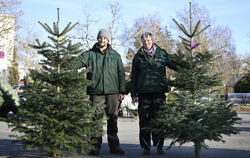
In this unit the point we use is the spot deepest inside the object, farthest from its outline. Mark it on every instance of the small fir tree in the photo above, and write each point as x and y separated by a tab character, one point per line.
57	115
9	100
243	86
194	112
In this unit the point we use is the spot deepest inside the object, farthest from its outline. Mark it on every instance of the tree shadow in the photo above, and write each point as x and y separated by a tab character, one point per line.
244	113
243	129
14	150
9	150
244	122
135	151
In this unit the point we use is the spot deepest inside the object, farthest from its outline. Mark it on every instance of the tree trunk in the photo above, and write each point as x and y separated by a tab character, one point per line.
53	154
197	149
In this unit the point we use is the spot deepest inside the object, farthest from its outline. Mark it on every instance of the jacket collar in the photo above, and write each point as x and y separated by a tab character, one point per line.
96	48
141	50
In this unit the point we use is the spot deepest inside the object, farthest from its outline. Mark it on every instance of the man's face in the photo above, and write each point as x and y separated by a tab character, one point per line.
102	41
147	43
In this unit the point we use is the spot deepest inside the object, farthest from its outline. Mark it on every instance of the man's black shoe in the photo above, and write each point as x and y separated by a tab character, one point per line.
93	152
159	151
117	151
146	151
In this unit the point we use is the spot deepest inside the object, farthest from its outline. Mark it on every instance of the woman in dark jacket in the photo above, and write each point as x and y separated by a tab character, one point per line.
148	86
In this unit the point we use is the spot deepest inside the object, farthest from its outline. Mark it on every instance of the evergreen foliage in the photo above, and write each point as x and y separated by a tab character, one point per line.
57	115
193	111
13	71
243	86
1	99
9	100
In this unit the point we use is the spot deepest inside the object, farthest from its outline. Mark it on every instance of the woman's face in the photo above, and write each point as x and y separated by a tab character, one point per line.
147	43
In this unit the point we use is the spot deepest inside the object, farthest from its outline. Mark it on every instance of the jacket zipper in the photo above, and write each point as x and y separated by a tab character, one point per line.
103	63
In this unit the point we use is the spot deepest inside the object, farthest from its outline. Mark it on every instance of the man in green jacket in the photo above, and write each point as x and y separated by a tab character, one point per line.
148	86
108	86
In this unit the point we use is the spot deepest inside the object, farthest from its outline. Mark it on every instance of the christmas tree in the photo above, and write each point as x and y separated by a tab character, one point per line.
56	115
9	100
193	111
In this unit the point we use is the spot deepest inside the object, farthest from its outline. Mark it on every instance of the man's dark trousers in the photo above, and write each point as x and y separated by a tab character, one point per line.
108	103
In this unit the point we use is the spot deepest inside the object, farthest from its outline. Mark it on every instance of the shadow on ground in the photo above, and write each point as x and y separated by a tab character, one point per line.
243	129
9	150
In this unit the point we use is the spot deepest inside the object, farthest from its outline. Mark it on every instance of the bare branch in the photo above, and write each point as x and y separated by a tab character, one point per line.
130	37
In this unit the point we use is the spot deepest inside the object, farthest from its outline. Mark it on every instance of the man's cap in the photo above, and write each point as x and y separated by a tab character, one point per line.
104	33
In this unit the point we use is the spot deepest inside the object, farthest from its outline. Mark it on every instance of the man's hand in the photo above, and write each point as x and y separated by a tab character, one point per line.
134	99
121	97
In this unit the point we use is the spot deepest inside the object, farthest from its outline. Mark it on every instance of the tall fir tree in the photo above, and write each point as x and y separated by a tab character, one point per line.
56	115
13	70
193	111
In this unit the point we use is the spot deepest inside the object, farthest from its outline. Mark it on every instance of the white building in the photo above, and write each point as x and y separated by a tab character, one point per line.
7	29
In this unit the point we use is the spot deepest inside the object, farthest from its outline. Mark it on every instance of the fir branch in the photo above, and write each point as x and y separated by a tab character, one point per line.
184	30
68	28
202	30
184	39
195	29
53	39
180	27
186	44
56	28
47	28
188	48
49	45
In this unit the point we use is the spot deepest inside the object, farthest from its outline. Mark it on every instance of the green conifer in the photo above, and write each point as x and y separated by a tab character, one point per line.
56	115
9	100
194	112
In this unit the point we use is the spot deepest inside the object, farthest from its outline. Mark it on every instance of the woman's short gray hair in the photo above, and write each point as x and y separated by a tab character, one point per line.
145	35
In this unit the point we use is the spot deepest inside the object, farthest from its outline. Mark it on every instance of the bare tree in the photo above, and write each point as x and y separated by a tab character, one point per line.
115	21
84	30
162	35
11	8
115	27
23	36
27	57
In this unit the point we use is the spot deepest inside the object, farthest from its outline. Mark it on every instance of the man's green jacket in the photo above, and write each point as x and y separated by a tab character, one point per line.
107	72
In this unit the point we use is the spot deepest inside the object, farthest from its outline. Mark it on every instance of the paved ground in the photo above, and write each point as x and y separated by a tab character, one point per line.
236	146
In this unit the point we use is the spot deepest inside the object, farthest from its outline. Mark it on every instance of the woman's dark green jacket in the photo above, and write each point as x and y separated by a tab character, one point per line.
149	73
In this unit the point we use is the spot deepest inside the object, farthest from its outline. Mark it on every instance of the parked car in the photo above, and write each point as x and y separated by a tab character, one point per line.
236	98
19	89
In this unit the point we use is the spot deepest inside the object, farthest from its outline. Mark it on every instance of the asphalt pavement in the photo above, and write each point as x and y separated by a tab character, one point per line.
236	146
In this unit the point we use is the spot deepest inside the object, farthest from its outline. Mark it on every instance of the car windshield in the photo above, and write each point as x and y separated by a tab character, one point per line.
15	87
235	96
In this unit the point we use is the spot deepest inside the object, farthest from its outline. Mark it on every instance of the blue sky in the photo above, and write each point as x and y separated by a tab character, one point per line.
234	14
